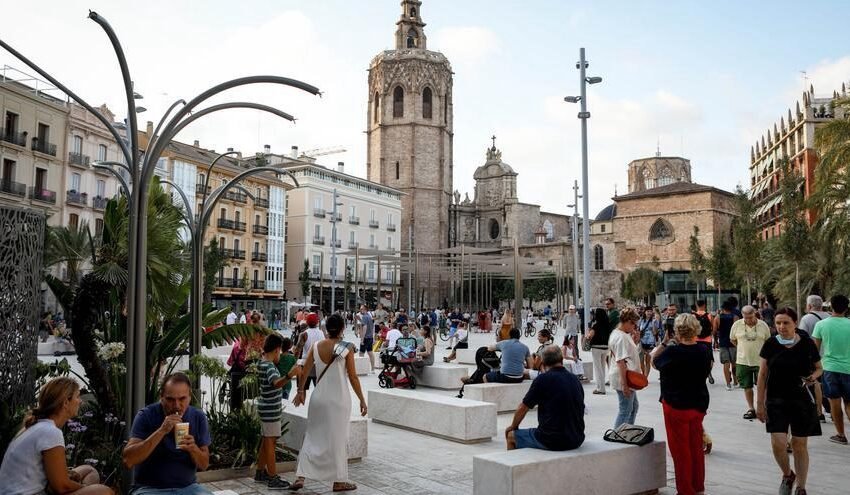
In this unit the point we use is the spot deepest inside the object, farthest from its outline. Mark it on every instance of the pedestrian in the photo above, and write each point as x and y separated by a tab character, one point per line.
507	323
571	324
814	314
748	335
625	357
231	317
722	328
767	315
684	365
598	335
649	328
832	337
366	332
706	333
238	362
790	365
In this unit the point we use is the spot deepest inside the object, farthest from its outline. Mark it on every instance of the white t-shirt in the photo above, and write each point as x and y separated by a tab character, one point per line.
23	466
243	318
622	346
392	336
231	318
461	334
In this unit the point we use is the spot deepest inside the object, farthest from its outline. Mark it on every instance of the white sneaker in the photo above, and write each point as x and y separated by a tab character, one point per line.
729	387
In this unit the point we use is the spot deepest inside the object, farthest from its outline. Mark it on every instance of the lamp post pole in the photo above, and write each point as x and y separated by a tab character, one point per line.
575	242
333	252
585	206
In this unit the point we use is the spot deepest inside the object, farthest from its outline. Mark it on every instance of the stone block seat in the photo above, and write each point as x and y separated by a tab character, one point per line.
506	396
466	356
361	364
626	469
443	376
458	420
293	438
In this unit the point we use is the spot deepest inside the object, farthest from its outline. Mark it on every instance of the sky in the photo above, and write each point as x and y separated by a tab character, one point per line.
703	80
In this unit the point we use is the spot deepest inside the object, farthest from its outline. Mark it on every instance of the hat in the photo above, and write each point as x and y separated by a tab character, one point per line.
312	320
572	306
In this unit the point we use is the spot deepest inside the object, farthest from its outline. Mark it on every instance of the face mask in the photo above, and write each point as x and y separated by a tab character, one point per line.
784	341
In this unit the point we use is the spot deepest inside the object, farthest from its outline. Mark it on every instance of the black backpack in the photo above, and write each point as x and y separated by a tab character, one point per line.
705	323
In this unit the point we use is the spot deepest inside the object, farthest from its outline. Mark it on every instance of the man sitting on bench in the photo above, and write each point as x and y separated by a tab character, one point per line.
560	415
515	359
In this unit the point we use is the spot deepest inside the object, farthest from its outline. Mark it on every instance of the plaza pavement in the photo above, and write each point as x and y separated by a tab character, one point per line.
403	462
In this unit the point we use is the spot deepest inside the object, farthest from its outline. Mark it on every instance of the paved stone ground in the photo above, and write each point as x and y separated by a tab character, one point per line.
403	462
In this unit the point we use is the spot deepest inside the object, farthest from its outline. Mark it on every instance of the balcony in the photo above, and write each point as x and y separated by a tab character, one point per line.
336	243
77	198
353	245
258	285
225	283
43	147
236	196
373	246
78	159
14	137
258	256
390	227
199	189
99	203
11	187
224	223
43	195
354	220
261	203
373	224
234	254
261	230
319	212
319	241
337	218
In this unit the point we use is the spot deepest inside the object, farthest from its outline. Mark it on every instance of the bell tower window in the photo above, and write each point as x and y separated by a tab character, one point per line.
377	108
398	102
412	38
426	103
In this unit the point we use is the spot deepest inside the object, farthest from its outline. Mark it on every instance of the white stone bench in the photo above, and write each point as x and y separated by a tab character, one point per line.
442	376
627	470
506	396
459	420
55	347
358	437
361	364
466	356
586	365
225	492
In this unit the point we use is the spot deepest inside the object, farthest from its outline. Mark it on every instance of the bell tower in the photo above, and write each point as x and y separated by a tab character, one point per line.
409	132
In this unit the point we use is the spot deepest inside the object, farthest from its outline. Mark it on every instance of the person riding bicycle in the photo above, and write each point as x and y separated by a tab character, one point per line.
455	318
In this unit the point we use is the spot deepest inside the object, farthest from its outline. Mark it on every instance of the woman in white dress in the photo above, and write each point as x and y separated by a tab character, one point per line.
323	455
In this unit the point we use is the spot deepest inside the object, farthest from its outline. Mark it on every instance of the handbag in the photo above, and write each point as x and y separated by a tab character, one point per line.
636	380
630	434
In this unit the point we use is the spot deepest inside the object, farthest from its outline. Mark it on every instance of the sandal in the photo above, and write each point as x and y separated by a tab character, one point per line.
296	485
750	414
344	487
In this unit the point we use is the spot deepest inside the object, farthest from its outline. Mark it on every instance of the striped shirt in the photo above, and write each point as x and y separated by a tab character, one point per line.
269	403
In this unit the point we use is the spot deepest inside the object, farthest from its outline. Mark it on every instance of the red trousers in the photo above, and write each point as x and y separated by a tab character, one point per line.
684	438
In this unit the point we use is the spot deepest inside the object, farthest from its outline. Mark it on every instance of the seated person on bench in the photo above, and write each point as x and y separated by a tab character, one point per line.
559	399
462	343
515	359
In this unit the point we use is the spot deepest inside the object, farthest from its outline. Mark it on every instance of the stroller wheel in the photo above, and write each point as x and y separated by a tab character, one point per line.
411	382
382	381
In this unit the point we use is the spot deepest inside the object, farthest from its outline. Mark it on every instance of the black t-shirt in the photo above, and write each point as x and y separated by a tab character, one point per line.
560	415
684	369
787	366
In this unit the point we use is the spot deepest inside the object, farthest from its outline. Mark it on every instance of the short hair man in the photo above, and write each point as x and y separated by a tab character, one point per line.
515	359
613	313
832	337
367	335
560	415
814	314
748	335
158	458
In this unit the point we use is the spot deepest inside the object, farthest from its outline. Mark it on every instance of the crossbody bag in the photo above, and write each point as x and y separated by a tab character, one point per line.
342	345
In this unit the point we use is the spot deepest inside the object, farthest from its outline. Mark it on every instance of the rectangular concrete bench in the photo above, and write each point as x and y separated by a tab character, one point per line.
459	420
361	364
596	468
586	365
358	437
506	396
466	356
442	376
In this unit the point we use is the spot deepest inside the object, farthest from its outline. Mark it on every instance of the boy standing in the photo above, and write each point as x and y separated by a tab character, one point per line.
285	364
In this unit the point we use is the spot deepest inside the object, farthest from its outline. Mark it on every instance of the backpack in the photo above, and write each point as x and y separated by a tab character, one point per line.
705	323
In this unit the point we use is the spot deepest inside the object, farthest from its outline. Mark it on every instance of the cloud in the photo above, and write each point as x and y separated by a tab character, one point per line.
466	45
826	76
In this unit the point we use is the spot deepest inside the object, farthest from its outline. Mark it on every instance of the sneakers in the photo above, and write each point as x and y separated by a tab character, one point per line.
822	418
728	387
800	491
278	483
261	477
751	415
839	439
787	484
598	392
711	379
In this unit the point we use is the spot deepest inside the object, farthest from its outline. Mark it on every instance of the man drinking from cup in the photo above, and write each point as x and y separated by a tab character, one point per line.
169	443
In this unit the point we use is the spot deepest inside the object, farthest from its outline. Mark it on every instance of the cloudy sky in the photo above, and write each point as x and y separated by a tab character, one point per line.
703	79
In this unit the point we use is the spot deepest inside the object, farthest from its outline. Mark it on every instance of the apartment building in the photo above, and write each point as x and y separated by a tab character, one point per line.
367	226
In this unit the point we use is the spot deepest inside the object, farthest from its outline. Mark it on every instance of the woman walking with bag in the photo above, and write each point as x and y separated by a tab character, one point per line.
684	368
323	455
625	357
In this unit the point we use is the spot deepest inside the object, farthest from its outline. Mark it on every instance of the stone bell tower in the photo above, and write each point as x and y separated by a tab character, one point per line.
409	132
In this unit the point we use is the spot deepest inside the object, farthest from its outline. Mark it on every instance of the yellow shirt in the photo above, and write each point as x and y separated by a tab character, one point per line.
749	341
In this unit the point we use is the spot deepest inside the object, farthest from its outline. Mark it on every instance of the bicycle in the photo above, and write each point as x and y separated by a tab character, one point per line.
551	326
444	334
530	329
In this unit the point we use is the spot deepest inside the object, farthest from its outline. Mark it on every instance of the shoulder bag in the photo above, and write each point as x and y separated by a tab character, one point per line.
342	345
636	380
630	434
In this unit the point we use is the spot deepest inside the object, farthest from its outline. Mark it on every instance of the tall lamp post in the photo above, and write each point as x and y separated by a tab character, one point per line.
334	214
575	241
582	66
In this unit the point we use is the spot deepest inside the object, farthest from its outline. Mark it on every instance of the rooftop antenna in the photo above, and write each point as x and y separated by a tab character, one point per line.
805	79
658	147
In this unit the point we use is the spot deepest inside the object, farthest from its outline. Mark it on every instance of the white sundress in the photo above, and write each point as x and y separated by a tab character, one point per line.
323	455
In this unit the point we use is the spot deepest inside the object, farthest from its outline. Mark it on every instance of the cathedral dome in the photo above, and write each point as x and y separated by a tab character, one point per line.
494	166
607	214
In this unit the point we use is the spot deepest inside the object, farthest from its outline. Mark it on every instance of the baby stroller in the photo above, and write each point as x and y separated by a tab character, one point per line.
397	372
485	362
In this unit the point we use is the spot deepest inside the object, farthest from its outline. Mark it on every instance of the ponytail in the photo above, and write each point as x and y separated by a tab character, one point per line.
51	398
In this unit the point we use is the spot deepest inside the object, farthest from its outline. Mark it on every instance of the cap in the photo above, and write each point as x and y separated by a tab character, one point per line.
312	319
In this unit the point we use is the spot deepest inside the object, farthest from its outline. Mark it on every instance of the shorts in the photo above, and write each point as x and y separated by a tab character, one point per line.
461	345
836	385
270	429
800	415
746	375
728	354
366	344
498	377
647	347
526	438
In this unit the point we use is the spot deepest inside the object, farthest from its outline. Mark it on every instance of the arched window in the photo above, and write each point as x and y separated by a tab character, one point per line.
665	178
550	230
494	228
398	102
661	231
397	171
412	38
648	181
413	12
598	258
446	108
376	111
426	103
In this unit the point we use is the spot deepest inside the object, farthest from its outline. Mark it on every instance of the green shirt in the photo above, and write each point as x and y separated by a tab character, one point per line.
613	318
284	365
834	334
269	405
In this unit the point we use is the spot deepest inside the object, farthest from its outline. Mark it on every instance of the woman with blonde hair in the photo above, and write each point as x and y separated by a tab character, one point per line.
507	324
684	366
35	460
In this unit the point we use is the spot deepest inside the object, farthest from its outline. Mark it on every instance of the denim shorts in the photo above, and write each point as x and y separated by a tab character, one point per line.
836	385
526	438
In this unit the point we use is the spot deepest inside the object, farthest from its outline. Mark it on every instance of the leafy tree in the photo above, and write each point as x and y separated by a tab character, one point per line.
245	283
304	280
746	245
698	261
503	289
641	284
540	289
720	266
214	262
